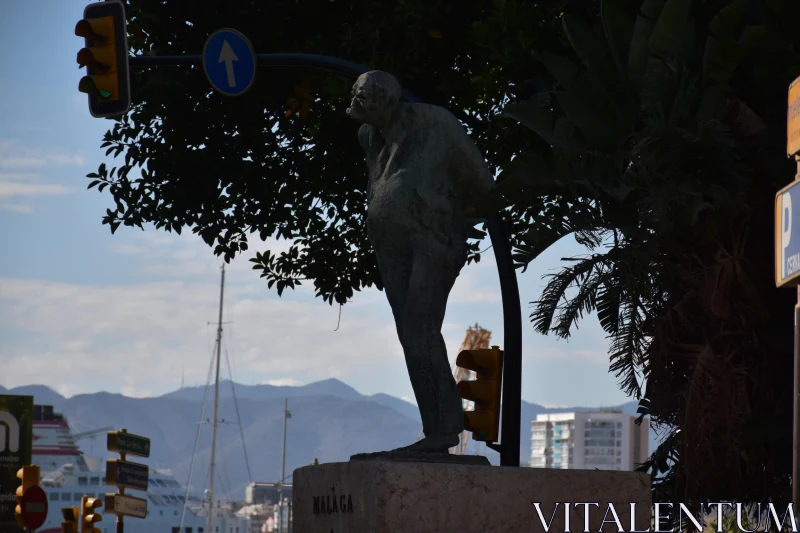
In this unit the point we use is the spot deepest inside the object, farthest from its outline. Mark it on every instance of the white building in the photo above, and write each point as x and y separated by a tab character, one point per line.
603	440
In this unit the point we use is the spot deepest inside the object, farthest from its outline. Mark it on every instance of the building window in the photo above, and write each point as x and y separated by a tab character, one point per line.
77	496
94	481
81	481
598	442
54	495
619	443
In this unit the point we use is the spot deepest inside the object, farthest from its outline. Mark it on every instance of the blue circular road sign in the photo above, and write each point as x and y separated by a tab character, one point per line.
229	62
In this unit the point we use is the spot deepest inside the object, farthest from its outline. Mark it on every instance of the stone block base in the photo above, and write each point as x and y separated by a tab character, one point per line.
389	497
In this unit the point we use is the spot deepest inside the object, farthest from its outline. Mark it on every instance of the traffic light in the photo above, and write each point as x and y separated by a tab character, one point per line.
105	57
485	390
29	474
71	517
88	514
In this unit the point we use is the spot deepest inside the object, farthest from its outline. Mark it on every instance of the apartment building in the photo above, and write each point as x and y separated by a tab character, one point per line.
588	440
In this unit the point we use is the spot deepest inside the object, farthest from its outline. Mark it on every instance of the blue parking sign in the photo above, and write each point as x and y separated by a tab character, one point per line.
787	236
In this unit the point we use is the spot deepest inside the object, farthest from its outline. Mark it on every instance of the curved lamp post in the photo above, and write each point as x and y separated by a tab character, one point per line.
509	447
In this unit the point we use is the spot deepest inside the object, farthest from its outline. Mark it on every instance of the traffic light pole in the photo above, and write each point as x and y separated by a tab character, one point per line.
121	492
509	447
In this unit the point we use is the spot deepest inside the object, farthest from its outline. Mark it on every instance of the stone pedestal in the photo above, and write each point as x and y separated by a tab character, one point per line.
389	497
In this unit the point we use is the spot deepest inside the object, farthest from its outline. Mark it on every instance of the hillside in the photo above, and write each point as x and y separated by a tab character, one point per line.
330	421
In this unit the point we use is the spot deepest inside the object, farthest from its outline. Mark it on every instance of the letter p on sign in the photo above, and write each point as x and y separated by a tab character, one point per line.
786	228
787	251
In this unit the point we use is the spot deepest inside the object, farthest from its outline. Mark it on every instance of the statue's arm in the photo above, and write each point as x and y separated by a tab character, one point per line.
472	168
476	178
363	136
365	140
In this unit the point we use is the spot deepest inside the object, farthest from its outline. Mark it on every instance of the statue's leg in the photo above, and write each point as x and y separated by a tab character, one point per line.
433	276
395	268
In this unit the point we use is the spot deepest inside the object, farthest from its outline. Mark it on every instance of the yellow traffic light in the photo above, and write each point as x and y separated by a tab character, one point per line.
71	517
88	514
105	57
485	391
29	474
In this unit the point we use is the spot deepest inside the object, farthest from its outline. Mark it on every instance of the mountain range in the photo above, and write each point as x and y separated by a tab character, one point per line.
330	421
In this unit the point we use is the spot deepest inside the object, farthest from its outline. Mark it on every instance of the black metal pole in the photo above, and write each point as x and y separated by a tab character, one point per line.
268	60
512	309
796	422
512	331
796	413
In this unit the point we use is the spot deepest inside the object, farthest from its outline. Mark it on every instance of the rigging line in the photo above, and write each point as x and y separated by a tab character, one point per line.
238	417
226	485
196	441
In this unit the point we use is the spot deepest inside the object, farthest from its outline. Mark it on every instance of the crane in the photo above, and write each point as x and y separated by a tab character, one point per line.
92	433
477	338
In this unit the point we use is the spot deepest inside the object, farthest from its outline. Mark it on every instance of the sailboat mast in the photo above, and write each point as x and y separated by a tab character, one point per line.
216	406
283	467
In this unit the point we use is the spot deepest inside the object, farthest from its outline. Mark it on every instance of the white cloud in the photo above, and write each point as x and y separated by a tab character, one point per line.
409	400
176	256
599	355
128	249
140	338
283	382
15	159
18	188
15	155
16	207
143	338
135	392
10	176
471	286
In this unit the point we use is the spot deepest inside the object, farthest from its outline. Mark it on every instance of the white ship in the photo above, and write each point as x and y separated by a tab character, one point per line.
67	475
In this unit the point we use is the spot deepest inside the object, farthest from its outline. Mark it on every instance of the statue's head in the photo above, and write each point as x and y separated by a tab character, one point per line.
375	96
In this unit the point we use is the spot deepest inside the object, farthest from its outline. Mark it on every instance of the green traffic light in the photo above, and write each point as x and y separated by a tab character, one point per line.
86	85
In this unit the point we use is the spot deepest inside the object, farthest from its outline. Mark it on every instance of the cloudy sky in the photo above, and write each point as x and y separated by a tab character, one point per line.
83	311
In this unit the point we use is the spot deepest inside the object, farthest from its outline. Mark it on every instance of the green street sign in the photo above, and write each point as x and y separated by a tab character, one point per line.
126	474
128	443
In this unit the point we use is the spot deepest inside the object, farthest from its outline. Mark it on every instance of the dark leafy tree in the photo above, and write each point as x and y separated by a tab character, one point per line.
283	159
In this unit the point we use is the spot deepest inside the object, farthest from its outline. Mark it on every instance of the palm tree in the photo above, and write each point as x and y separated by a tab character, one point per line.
658	166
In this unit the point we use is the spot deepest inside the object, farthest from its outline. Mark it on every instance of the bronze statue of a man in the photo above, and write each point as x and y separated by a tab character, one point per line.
425	174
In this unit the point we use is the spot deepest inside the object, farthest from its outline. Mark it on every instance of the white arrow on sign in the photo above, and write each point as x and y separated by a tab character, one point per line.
228	56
